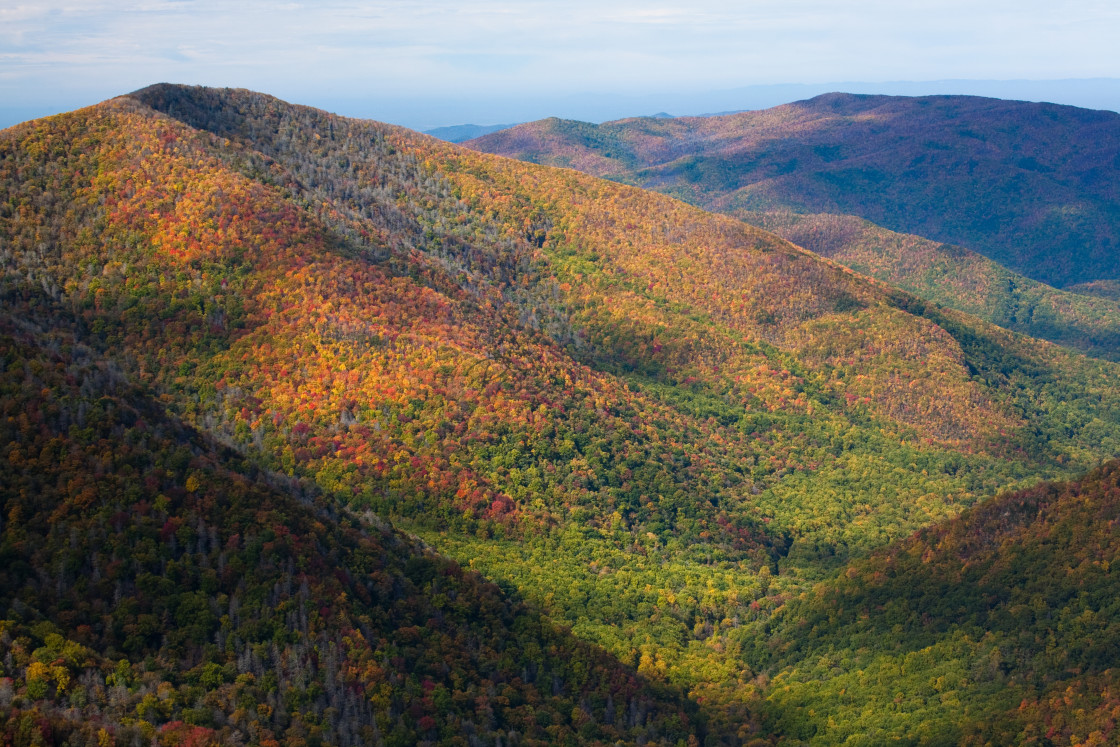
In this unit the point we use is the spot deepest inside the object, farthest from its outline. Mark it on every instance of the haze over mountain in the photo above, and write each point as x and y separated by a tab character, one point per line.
459	133
249	343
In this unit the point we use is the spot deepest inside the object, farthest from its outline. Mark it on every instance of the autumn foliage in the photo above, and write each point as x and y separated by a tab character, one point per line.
248	343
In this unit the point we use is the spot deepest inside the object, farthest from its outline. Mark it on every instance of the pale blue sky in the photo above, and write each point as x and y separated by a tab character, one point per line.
425	64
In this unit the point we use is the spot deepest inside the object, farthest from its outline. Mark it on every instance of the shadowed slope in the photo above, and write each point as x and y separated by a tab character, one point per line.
157	586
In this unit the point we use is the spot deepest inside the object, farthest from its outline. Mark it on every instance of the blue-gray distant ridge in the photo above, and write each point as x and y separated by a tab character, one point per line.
461	133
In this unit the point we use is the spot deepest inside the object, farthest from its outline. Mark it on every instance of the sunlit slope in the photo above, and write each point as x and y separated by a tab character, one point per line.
670	254
998	627
1032	186
647	287
522	363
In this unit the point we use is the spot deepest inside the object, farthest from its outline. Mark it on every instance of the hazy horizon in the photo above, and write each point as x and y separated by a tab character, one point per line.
437	63
432	113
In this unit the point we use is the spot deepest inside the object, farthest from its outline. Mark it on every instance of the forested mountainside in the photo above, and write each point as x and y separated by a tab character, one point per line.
159	588
655	425
1085	318
1031	186
1001	626
1100	288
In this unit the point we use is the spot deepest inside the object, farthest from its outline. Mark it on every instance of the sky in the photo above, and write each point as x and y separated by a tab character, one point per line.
426	64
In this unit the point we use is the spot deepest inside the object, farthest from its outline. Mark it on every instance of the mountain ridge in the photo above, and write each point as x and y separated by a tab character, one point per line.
459	133
821	135
655	425
760	166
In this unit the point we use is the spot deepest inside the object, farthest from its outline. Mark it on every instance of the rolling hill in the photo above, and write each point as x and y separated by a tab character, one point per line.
1030	186
997	627
653	425
1084	317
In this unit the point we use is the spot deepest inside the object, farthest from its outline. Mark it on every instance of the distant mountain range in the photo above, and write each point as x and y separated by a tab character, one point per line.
1032	186
319	430
423	111
459	133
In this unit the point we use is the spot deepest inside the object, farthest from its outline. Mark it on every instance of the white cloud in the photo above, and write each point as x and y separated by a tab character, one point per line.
391	47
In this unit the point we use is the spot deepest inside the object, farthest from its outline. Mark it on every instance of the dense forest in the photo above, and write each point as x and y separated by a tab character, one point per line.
1084	318
1007	614
160	588
1030	186
540	457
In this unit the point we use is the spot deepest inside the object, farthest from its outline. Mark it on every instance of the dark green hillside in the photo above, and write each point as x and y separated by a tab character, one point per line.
967	632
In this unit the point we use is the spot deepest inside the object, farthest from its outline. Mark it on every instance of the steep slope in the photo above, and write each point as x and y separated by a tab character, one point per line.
158	587
1087	318
628	410
1032	186
971	632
